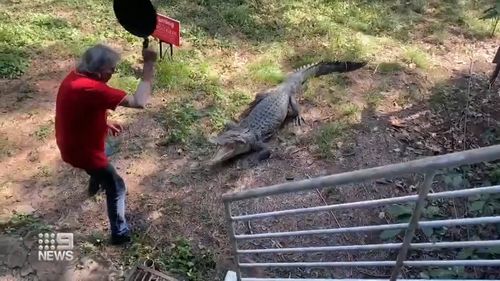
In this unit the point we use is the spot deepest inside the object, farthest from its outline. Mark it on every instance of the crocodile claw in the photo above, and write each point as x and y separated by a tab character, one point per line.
299	120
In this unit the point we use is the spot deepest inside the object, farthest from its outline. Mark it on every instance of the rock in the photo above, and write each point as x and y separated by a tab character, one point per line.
5	218
26	270
30	240
9	277
17	255
5	247
155	215
24	209
381	215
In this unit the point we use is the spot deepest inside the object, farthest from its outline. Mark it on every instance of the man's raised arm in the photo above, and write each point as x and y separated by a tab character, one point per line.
143	93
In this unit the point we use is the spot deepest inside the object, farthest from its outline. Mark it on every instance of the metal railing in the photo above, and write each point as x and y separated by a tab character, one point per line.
428	166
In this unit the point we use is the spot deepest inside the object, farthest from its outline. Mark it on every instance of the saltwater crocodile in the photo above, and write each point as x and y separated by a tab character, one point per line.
266	114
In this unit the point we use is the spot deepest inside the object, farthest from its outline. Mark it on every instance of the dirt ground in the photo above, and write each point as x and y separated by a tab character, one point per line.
171	194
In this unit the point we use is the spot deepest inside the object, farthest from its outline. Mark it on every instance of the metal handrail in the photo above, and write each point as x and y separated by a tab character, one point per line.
429	166
432	163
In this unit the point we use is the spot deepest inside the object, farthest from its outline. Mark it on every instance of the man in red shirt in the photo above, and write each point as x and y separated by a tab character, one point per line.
81	125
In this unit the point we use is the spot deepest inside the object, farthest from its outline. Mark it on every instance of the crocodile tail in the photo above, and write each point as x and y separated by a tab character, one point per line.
323	68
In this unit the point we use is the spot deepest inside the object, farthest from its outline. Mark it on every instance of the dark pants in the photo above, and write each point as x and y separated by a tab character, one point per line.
115	189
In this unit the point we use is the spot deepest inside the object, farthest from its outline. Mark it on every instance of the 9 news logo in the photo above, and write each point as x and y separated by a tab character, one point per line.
55	246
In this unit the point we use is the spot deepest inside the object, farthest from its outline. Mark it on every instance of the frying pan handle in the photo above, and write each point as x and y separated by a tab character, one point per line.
145	43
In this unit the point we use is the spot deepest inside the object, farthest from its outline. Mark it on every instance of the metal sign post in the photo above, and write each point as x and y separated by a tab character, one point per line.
167	31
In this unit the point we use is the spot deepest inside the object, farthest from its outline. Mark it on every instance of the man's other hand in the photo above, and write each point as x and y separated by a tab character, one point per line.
115	129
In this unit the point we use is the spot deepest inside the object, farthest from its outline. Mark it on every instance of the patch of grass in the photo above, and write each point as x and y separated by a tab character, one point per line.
266	71
173	75
418	6
337	89
348	48
439	32
411	95
23	223
417	56
239	16
331	90
13	64
327	137
54	28
43	172
5	147
125	68
44	131
182	259
350	110
477	28
180	119
190	71
140	250
389	67
447	99
374	98
127	83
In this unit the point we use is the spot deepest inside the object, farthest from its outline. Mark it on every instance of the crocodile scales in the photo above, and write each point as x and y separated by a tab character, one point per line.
266	114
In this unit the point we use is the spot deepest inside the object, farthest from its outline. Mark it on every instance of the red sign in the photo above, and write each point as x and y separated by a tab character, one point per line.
168	30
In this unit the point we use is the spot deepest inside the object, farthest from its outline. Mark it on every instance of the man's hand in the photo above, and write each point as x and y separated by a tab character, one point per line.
149	55
115	129
143	93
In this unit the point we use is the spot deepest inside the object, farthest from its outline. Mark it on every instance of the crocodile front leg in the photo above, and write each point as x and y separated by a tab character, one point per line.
295	111
263	152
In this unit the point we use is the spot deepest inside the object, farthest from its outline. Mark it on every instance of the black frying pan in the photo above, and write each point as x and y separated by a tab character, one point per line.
137	17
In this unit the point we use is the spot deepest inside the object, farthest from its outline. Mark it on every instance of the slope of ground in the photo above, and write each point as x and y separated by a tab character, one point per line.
424	92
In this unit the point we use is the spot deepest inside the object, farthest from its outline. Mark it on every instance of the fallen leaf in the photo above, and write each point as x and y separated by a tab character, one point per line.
381	215
397	123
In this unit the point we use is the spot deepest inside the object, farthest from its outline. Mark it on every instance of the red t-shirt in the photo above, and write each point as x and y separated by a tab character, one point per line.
81	120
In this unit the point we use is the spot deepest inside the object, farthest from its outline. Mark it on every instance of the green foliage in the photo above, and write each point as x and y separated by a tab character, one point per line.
12	64
174	75
180	119
124	82
454	179
402	214
139	250
22	223
484	205
266	71
350	110
182	259
125	68
492	12
5	147
442	273
417	56
389	67
327	137
44	131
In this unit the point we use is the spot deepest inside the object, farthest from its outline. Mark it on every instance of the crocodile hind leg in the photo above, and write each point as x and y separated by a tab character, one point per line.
294	112
230	125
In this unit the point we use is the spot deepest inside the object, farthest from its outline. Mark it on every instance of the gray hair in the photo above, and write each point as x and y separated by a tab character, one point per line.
96	58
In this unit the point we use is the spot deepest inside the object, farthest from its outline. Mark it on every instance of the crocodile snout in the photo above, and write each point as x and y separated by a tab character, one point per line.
229	151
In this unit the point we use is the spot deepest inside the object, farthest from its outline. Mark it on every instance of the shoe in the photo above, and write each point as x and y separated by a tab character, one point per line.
120	239
93	189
